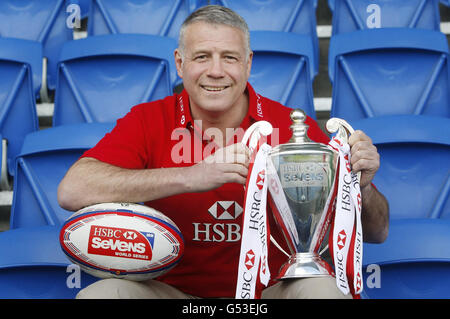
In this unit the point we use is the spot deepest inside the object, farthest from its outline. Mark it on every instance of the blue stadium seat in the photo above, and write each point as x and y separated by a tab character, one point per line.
353	15
389	71
414	261
100	78
45	158
331	4
296	16
33	266
85	6
281	68
157	17
43	21
414	172
18	115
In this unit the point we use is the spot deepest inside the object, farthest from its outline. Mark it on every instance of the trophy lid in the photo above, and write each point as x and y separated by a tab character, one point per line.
299	128
299	139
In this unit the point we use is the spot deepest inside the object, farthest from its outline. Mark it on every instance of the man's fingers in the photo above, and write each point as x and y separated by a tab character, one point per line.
358	136
235	153
236	178
369	155
236	168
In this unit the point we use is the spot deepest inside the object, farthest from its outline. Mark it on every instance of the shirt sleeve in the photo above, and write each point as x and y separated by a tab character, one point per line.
125	145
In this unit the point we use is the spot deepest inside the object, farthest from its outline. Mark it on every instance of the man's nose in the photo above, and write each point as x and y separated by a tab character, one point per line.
216	68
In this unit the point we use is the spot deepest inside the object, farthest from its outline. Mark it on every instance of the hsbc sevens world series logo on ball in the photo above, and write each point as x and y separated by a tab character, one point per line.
120	242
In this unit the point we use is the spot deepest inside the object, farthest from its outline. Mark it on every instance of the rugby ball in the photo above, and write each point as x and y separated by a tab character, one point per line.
122	240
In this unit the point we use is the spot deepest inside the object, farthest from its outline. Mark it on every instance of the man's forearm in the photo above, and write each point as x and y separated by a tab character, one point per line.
375	215
90	181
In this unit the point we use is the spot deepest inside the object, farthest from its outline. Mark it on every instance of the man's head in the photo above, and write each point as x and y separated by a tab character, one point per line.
214	59
215	15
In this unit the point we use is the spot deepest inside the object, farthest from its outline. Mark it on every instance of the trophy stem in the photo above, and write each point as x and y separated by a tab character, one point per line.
304	265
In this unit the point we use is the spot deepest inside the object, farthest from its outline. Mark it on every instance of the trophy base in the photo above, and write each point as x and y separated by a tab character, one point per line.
304	265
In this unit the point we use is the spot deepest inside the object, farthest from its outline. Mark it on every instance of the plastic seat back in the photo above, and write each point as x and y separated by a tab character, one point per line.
414	261
45	158
85	6
33	266
295	16
414	173
353	15
281	68
18	115
43	21
389	71
100	78
157	17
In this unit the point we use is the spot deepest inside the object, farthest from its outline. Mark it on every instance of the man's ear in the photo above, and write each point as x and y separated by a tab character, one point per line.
178	62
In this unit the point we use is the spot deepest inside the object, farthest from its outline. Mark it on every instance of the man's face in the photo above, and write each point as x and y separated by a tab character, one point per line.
215	68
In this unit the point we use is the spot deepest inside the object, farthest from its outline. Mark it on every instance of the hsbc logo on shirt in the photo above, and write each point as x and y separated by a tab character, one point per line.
223	230
225	210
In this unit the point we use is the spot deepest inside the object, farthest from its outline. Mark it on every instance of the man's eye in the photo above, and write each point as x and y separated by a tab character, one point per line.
200	57
230	58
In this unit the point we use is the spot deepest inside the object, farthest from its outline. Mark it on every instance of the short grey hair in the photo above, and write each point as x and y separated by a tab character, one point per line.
218	15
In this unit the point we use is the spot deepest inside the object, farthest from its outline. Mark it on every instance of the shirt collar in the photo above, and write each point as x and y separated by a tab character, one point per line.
255	106
183	112
256	111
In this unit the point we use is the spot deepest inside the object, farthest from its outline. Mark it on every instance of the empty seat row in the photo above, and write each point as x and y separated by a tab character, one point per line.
351	15
414	175
113	16
419	5
18	117
52	21
393	83
389	71
43	21
32	264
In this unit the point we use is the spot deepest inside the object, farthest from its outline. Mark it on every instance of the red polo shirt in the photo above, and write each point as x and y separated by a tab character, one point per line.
163	134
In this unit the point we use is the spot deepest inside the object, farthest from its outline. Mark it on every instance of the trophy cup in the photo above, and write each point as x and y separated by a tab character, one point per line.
301	176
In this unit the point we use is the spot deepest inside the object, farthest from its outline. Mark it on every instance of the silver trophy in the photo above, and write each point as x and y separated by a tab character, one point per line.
301	176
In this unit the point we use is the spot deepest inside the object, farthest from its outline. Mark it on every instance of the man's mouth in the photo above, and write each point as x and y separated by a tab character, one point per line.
214	88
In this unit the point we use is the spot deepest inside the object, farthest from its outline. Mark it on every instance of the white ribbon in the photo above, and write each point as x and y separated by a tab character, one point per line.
347	222
254	241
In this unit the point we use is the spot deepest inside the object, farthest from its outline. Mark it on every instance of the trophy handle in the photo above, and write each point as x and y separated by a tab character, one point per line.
254	132
343	129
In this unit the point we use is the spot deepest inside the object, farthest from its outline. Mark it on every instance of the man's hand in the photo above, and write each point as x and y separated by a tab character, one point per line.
226	165
375	208
364	157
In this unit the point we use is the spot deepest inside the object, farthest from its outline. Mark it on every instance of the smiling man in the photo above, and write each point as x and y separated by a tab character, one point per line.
203	193
215	66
